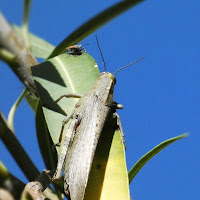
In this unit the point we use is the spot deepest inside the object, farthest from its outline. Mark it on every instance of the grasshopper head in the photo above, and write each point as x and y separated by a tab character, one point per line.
104	87
107	76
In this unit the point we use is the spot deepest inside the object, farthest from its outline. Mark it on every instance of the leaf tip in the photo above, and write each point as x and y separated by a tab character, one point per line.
184	135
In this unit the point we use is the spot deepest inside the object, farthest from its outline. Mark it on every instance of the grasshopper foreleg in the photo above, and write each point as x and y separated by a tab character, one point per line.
70	95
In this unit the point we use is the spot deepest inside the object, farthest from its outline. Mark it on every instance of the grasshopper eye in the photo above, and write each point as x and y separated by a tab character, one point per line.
102	73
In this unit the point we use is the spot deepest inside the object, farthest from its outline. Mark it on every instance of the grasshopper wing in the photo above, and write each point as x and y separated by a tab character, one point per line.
83	148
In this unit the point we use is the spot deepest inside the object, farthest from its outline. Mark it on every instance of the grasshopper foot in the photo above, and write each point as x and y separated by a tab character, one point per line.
66	189
57	144
57	176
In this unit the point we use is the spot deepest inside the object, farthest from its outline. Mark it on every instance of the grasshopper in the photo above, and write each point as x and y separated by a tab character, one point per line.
91	113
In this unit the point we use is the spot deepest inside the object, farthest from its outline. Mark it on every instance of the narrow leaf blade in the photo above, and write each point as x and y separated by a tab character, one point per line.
25	23
93	24
27	5
32	102
144	159
48	153
14	108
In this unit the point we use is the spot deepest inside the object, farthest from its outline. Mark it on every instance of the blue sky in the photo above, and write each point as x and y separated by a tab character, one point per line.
160	94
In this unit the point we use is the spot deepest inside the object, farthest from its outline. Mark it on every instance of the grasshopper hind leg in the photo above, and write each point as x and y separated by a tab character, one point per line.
66	189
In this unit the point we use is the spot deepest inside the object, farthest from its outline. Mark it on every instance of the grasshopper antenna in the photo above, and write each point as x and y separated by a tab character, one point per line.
127	65
101	53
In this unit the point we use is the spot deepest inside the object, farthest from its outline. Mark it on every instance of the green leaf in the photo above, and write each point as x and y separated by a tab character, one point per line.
48	153
109	177
39	47
32	102
60	75
144	159
14	108
3	171
93	24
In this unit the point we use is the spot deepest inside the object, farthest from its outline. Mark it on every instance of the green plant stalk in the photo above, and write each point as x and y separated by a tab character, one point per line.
24	59
27	5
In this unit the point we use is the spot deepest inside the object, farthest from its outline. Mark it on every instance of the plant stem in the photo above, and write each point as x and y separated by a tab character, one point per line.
23	58
17	151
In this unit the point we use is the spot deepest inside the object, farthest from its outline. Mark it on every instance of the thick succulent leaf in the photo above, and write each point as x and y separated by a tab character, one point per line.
93	24
60	75
144	159
48	153
39	47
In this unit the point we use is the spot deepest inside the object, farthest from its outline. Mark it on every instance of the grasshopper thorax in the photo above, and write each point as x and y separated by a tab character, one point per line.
107	76
104	88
